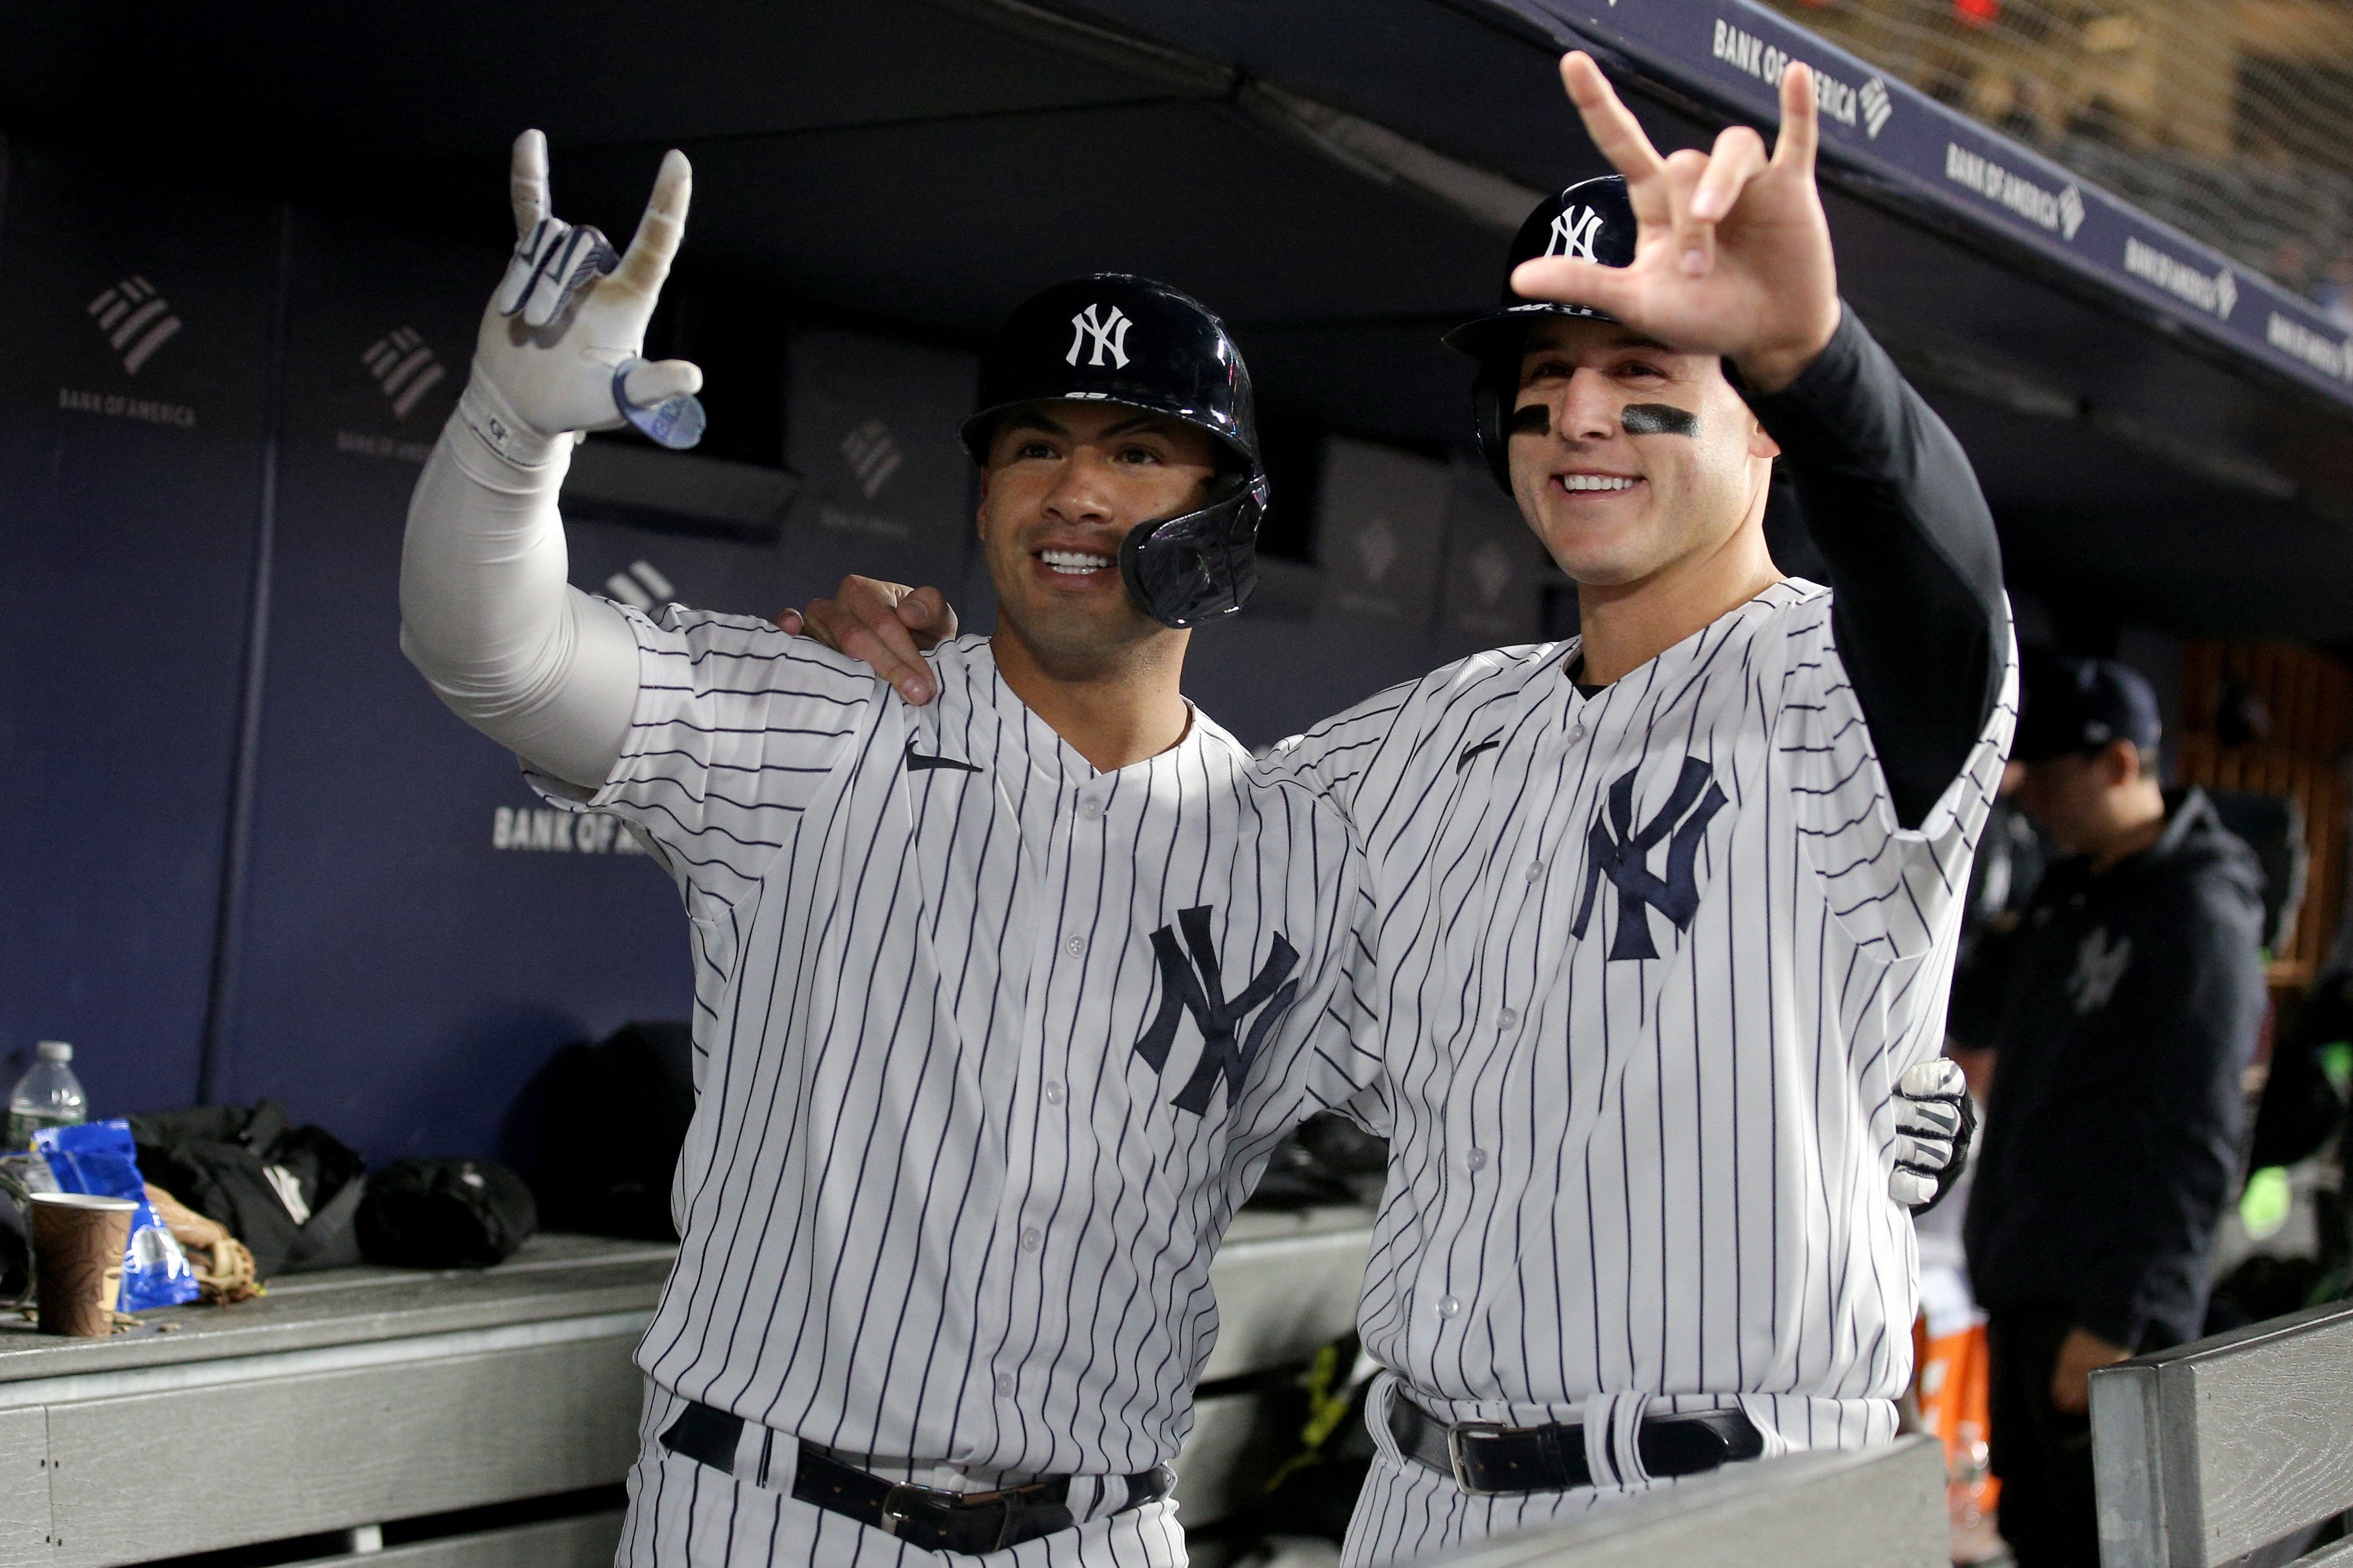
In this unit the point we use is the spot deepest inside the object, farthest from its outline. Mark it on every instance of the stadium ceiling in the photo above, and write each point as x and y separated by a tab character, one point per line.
2161	433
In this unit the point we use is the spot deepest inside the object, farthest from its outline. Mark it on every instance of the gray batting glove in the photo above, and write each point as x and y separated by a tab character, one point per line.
561	346
1934	1121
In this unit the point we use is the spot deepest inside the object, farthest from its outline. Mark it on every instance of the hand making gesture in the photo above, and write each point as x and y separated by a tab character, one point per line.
1733	253
562	343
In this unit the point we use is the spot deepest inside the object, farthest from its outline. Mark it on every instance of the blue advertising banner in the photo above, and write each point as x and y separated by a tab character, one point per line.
1728	55
136	325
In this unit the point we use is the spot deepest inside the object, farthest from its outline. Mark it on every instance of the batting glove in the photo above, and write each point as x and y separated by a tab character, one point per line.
1935	1120
561	347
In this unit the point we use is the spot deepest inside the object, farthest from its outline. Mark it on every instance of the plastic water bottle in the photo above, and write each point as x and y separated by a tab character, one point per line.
48	1096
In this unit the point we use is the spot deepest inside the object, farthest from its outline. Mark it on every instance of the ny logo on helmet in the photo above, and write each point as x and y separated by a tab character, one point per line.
1108	334
1574	230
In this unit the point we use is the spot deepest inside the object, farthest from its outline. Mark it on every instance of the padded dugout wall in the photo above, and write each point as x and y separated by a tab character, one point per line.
136	321
418	931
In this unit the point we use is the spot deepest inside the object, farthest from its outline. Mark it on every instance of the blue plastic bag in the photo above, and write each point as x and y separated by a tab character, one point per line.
98	1158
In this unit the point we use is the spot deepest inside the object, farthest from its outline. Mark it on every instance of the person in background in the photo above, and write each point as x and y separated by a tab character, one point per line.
2121	1012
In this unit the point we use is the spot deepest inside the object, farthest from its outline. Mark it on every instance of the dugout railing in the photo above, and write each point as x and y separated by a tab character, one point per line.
2228	1446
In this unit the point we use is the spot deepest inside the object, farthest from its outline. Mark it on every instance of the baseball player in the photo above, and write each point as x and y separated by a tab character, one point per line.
1665	914
1001	1003
1666	910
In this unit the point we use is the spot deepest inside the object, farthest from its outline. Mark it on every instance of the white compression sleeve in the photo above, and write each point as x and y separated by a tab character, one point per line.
486	613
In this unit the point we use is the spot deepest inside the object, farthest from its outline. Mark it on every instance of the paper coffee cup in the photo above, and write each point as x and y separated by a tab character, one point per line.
78	1241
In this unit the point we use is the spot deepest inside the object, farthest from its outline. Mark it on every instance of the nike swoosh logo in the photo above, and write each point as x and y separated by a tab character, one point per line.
1489	744
917	762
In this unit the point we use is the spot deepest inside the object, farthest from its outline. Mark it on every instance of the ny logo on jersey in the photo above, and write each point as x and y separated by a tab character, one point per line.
1109	335
1574	230
1197	987
2099	963
1618	851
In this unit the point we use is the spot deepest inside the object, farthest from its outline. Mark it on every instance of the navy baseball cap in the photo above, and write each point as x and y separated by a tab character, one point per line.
2081	705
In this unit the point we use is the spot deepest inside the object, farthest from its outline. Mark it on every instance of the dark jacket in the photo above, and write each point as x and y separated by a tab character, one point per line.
2123	1008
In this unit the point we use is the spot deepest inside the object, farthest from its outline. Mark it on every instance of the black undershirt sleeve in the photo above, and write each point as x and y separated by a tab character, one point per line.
1915	571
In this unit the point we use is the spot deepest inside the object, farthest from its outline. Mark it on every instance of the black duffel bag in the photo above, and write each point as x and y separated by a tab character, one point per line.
445	1214
289	1193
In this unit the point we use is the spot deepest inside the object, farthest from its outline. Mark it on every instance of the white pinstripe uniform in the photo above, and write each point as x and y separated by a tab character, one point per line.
962	1148
1622	1183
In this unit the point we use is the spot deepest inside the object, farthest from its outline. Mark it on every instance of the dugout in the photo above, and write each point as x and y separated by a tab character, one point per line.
244	853
307	911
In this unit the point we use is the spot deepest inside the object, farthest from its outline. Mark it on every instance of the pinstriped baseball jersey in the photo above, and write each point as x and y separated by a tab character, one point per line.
1648	966
990	1045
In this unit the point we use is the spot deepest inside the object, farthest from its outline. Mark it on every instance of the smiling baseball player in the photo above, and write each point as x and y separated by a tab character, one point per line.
1666	913
1000	1003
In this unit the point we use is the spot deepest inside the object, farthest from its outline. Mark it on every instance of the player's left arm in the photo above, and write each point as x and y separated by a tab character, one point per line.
1917	611
1733	257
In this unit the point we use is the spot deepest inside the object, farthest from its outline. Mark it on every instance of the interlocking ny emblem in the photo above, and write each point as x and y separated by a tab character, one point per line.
1197	987
2099	963
1623	857
1108	334
1574	230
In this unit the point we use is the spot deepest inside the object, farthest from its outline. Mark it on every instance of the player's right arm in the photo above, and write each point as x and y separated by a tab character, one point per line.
486	613
707	732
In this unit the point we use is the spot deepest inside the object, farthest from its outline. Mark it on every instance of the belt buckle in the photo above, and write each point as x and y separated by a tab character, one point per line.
898	1503
1458	1454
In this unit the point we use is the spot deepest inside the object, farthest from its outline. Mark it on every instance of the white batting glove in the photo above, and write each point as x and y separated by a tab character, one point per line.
561	347
1935	1120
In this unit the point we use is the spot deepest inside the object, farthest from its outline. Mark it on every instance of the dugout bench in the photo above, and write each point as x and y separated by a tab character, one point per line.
2227	1447
347	1401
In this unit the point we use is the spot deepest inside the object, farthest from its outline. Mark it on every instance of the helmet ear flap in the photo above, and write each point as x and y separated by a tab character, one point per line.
1492	397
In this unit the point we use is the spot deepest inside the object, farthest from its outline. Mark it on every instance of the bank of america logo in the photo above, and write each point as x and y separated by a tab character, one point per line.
640	587
871	455
136	321
404	367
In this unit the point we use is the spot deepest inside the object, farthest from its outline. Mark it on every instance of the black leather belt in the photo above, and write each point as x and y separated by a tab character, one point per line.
1489	1461
926	1517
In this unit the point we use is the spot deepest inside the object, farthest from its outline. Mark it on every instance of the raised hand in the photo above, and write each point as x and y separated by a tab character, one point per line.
562	343
886	624
1732	255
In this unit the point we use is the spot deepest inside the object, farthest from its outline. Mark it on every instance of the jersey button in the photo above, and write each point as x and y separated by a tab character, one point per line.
1535	869
1053	1094
1005	1386
1506	1018
1076	947
1031	1241
1576	730
1448	1307
1091	809
1476	1159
